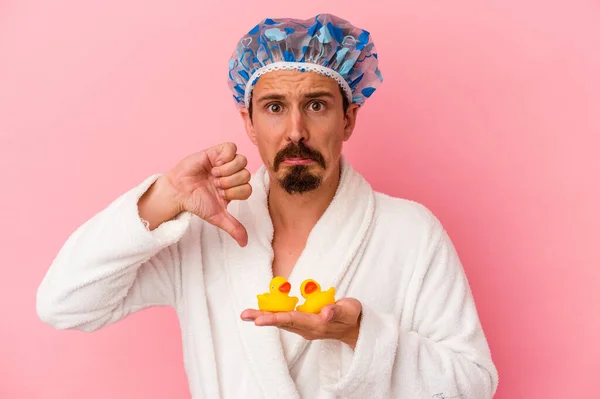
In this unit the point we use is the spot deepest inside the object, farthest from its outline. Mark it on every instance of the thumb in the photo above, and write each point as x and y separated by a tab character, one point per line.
346	310
232	226
331	313
221	153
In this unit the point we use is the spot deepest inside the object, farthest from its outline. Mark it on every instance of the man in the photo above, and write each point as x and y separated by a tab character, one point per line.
405	324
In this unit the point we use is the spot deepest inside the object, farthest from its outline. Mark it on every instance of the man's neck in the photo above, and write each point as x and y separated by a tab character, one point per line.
298	213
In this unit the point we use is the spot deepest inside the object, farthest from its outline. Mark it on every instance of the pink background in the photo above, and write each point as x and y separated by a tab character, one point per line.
489	115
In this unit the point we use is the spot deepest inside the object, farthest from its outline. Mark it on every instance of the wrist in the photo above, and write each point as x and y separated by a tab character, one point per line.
352	337
158	204
168	194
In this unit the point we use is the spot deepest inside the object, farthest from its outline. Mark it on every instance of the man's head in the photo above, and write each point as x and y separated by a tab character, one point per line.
299	122
299	84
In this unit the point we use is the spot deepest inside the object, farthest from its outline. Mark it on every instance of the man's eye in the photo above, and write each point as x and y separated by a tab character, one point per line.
275	108
316	106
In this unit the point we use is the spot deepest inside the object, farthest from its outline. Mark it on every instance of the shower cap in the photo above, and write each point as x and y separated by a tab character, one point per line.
325	44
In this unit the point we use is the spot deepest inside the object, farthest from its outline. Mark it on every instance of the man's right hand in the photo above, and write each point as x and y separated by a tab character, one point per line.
202	183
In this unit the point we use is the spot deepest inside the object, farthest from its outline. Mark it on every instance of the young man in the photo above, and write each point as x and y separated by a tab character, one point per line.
404	324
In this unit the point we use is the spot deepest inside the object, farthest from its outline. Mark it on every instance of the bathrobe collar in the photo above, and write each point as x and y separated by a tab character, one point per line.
332	252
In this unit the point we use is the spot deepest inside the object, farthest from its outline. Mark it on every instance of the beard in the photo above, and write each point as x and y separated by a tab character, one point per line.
299	179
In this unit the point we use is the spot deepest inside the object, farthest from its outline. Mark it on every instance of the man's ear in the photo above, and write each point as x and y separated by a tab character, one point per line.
350	120
248	125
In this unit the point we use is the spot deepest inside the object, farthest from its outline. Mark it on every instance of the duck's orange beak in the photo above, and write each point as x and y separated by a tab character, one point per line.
310	287
285	288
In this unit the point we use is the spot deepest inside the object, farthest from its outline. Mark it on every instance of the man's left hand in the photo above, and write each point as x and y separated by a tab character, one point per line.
340	321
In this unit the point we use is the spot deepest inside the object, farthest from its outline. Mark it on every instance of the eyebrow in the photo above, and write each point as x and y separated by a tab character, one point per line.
275	96
316	94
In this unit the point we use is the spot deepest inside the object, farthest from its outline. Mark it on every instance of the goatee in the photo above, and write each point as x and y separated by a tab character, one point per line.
299	179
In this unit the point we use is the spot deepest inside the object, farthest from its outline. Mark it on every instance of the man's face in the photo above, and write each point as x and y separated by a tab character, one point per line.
299	126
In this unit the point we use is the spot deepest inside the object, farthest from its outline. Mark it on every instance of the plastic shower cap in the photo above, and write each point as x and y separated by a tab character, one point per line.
325	44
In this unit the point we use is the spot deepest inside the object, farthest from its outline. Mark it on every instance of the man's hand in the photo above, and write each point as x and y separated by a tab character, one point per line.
203	183
340	321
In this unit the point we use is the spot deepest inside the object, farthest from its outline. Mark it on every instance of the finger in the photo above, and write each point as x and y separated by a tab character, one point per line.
297	320
238	163
237	193
237	179
252	314
272	319
222	153
328	313
232	226
346	311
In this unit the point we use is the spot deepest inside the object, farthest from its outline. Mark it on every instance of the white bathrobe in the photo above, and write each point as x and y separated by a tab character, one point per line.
420	335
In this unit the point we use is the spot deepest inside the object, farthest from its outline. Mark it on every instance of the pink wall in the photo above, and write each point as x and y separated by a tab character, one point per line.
488	115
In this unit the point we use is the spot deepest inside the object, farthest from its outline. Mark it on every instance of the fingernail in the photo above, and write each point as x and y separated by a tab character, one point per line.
222	193
215	172
218	183
330	317
219	163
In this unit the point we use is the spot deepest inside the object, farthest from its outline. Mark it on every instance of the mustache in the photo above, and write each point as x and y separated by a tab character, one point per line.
299	150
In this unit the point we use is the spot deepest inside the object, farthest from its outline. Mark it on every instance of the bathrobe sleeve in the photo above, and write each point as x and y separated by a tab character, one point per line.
444	354
112	266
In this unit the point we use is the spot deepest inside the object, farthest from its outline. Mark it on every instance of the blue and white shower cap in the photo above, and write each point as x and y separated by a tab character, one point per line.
325	44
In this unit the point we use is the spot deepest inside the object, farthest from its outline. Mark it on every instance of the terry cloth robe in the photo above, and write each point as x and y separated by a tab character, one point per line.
420	335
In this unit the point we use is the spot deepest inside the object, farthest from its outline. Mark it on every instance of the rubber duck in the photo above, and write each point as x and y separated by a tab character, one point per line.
277	299
316	299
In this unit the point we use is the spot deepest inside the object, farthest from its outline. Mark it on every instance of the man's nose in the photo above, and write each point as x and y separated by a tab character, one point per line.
297	130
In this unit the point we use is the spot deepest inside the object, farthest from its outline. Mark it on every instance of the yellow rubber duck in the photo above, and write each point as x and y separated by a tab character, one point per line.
316	299
278	299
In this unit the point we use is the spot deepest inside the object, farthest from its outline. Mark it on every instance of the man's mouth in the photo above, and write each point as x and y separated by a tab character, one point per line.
298	161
